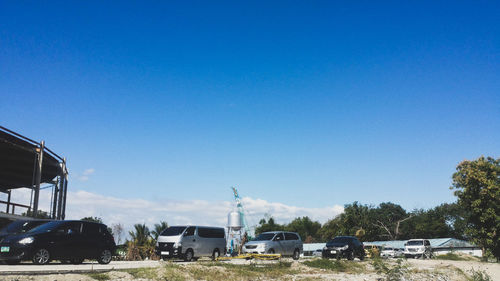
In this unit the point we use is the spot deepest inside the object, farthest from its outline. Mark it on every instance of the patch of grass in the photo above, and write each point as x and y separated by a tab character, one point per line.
454	257
336	265
392	273
251	272
99	276
479	275
143	272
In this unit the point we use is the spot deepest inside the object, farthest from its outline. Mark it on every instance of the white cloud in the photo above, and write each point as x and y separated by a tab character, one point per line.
85	176
128	212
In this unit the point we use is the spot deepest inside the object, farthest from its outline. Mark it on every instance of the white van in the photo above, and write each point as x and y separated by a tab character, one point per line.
191	242
418	248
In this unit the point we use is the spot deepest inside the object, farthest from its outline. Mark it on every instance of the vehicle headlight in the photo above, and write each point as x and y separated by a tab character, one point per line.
177	244
325	248
27	240
261	246
345	247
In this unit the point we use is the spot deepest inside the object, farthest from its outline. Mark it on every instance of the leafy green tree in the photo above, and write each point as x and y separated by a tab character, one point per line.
92	219
477	186
387	217
268	225
158	228
330	229
356	218
306	228
39	215
454	217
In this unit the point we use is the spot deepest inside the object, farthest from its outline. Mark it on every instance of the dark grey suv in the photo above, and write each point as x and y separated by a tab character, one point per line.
344	247
276	242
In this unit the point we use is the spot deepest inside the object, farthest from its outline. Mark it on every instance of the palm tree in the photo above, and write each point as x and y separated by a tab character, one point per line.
159	227
141	235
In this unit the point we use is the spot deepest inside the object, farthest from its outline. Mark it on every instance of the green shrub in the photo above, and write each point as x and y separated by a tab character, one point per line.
453	257
99	276
335	265
392	273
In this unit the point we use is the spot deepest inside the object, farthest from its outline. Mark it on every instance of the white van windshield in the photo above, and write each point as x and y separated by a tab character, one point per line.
415	243
173	231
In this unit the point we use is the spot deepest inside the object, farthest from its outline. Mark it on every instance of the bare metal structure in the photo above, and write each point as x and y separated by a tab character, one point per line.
25	163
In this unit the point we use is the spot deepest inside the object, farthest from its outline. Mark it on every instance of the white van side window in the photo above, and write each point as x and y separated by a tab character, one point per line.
190	231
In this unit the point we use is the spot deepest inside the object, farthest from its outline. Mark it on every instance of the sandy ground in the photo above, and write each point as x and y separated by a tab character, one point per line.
439	270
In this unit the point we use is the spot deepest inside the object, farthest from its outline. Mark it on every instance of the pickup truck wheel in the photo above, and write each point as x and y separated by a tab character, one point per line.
271	251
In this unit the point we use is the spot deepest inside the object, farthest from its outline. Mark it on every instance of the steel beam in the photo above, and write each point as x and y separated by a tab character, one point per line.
38	178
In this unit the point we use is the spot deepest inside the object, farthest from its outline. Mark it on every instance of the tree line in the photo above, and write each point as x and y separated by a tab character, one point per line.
387	221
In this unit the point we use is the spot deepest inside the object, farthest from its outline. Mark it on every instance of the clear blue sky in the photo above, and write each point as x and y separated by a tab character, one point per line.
309	103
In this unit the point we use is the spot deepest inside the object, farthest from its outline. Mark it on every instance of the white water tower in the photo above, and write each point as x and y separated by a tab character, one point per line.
234	220
234	227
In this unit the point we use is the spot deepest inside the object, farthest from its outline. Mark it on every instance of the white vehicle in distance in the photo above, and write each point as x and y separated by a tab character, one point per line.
418	248
389	252
191	242
275	242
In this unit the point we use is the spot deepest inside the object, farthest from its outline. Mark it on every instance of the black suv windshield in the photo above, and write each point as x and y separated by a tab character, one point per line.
173	231
47	227
340	240
264	237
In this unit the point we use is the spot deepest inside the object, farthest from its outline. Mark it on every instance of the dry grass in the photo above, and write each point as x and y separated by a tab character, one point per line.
336	265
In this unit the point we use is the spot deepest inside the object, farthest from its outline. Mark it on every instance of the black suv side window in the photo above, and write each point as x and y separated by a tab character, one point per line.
91	228
70	228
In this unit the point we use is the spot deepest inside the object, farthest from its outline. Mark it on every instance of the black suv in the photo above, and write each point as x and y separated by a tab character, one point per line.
344	247
68	241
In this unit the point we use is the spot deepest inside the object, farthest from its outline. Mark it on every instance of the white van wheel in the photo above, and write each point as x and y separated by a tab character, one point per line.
215	254
189	255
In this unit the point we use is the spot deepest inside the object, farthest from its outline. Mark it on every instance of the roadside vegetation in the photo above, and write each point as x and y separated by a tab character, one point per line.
336	265
456	257
99	276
